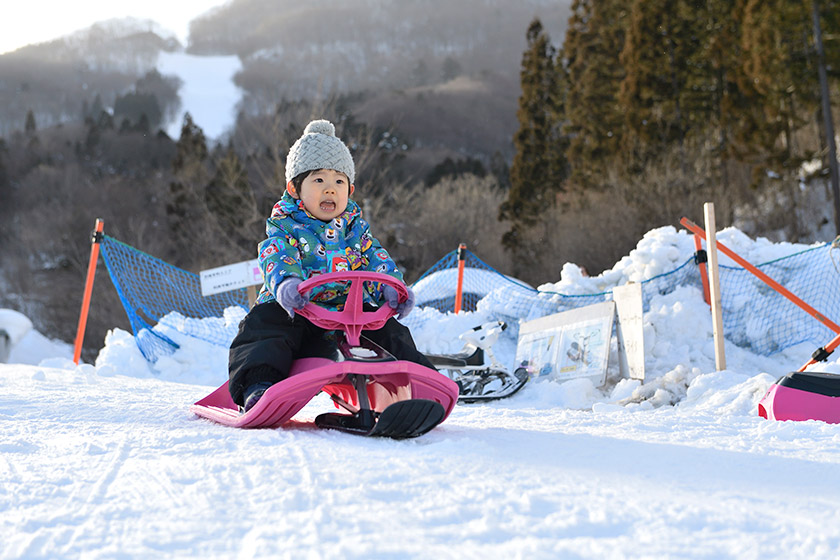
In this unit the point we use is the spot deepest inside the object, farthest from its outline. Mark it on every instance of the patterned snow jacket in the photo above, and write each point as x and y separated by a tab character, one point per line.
299	244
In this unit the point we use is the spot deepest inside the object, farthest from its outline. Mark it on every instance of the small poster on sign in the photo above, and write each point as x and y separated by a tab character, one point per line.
230	277
568	345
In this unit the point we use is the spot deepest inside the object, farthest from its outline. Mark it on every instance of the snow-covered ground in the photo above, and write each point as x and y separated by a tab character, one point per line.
106	461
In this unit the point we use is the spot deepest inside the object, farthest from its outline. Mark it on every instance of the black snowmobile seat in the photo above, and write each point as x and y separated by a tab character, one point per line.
476	358
827	384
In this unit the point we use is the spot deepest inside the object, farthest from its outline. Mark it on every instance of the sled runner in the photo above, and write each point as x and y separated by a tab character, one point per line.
382	395
476	370
803	396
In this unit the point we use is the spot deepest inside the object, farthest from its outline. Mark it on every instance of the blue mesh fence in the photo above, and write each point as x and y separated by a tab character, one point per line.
756	317
436	287
483	286
151	289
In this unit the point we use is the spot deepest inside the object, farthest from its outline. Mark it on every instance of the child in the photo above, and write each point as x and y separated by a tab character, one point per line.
313	229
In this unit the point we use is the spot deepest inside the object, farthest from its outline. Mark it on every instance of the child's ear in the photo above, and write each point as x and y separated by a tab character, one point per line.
290	188
352	188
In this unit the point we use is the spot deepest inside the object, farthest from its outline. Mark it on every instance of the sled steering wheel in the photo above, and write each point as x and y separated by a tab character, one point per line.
353	319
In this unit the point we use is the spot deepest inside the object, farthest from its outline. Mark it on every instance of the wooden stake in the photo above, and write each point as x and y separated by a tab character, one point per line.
714	285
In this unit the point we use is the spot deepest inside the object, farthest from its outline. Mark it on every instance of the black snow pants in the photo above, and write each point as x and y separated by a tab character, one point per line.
269	341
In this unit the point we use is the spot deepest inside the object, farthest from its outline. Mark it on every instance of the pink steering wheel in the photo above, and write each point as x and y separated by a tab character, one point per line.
353	319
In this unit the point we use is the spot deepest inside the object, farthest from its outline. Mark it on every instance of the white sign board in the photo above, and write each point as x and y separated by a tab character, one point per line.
630	331
568	345
231	277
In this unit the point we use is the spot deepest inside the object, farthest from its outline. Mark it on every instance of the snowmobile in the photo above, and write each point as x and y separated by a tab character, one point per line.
476	370
381	396
803	396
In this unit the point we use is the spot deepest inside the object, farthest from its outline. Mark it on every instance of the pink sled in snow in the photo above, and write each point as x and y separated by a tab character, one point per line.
803	396
383	396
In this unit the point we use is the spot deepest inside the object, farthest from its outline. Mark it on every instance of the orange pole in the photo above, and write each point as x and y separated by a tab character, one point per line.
766	279
94	256
459	289
704	276
822	353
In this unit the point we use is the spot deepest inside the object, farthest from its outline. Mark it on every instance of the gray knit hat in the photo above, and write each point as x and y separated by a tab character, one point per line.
319	148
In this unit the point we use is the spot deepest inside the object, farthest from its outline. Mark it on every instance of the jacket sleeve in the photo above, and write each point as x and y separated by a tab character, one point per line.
279	256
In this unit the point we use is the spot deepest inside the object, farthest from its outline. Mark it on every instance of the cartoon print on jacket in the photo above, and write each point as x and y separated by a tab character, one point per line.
299	244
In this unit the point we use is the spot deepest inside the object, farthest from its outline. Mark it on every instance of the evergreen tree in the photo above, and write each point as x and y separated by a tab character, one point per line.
450	69
143	125
594	122
535	175
165	91
30	128
230	199
191	146
779	71
92	136
105	120
134	106
184	205
559	140
712	102
97	106
95	128
655	58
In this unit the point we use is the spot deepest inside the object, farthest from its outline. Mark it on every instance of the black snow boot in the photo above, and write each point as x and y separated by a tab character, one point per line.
253	393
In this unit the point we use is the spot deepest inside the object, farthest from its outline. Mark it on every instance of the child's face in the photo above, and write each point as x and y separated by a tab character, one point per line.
325	193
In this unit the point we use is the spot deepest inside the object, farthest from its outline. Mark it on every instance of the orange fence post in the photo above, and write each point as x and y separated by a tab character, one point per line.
94	256
701	262
459	289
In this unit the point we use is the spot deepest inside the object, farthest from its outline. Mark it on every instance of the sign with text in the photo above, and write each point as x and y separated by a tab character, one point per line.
568	345
231	277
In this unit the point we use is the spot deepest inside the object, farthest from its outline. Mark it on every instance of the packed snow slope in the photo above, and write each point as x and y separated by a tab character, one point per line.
106	461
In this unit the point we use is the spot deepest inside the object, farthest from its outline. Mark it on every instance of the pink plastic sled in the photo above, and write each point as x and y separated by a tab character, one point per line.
803	396
383	396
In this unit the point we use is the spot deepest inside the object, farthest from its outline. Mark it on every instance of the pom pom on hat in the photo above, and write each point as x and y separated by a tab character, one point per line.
319	148
320	127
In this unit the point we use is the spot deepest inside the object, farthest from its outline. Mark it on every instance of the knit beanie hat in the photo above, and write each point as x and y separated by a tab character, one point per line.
319	148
